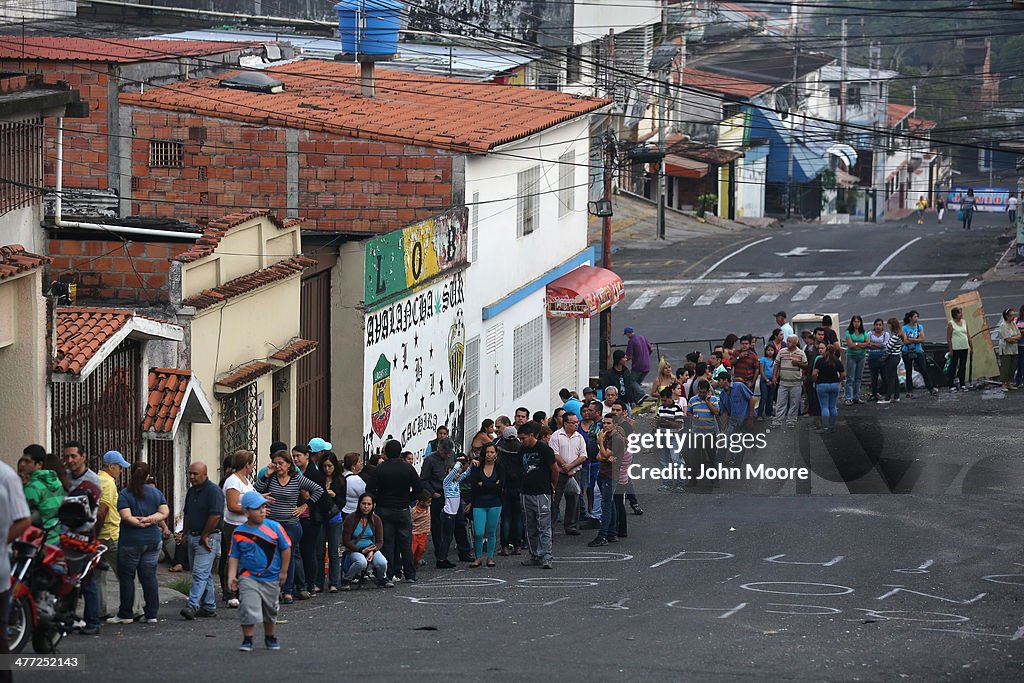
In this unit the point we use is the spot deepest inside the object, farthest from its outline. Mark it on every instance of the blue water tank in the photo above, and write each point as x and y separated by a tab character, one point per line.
369	27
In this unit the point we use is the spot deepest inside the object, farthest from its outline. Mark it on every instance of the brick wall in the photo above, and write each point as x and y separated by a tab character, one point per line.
102	269
343	184
86	145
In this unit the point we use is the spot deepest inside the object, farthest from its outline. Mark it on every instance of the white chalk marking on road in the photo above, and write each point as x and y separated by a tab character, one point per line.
921	569
741	294
837	292
804	292
679	557
900	589
971	284
642	300
733	611
730	255
756	586
707	297
894	254
800	277
674	298
905	287
767	298
874	289
939	286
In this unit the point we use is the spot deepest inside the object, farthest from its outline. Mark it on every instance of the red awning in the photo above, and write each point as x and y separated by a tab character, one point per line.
583	293
684	167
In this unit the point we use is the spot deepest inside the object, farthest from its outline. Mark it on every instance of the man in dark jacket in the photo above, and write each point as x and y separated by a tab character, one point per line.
435	467
511	504
394	485
619	376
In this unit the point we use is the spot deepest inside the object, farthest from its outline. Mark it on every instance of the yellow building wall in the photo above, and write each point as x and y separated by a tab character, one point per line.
23	405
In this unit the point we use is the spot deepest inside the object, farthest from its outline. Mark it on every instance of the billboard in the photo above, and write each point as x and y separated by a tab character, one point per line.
990	199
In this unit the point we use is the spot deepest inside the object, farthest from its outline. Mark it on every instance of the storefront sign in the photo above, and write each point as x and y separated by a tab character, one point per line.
413	257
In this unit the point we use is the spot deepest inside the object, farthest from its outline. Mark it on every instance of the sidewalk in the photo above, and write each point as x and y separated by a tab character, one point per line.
1006	269
635	223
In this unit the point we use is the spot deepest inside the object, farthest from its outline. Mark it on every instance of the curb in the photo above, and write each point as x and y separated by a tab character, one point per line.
1004	270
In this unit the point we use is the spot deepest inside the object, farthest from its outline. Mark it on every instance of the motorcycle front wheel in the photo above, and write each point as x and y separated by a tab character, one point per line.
19	624
44	641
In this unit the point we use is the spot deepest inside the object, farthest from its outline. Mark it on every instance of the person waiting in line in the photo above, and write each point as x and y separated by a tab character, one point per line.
363	535
959	344
487	486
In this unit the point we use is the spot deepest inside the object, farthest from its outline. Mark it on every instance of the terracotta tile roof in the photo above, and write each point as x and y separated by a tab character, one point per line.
920	124
294	351
246	374
728	85
82	331
109	50
439	112
249	282
898	112
168	388
14	260
216	229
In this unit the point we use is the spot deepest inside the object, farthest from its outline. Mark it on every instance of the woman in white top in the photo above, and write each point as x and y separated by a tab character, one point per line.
1009	335
959	344
877	340
235	486
352	464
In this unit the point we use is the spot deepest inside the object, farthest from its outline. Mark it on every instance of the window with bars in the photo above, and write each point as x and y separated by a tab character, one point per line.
166	154
528	192
472	389
474	228
574	64
238	421
21	163
528	357
566	181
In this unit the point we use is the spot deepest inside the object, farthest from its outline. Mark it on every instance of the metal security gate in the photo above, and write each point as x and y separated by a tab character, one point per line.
564	357
104	411
161	467
313	393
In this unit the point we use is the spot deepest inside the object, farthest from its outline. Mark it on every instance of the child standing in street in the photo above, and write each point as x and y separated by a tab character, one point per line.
420	527
452	502
258	567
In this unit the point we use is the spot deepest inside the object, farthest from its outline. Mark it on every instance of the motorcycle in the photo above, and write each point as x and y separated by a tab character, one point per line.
46	581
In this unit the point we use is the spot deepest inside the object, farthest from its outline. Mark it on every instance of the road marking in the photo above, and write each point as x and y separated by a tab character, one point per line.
667	284
837	292
814	274
741	294
905	287
971	284
737	274
894	254
874	289
767	298
729	256
642	300
676	296
707	297
804	292
770	274
939	286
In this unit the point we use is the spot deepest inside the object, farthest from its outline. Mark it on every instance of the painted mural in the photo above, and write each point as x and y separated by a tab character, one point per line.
414	333
413	257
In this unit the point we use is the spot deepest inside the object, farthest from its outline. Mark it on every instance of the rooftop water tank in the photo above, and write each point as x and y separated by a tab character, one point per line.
369	27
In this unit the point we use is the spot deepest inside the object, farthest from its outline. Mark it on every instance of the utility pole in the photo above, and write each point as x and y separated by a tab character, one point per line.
842	87
610	158
789	181
662	112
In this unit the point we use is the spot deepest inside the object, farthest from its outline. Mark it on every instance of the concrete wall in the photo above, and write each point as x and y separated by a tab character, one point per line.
536	21
21	226
17	11
593	18
23	405
504	262
244	328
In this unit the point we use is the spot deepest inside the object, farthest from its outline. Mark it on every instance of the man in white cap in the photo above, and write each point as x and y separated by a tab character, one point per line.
108	520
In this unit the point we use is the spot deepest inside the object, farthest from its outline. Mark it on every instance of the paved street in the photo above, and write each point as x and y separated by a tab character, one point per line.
708	286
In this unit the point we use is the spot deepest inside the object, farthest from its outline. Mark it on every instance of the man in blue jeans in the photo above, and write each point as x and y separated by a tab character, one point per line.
612	445
204	506
82	481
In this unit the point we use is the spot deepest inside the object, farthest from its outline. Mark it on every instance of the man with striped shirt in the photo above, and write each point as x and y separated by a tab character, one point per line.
670	422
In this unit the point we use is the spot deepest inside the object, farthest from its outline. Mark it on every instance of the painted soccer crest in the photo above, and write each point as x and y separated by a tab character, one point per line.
381	408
